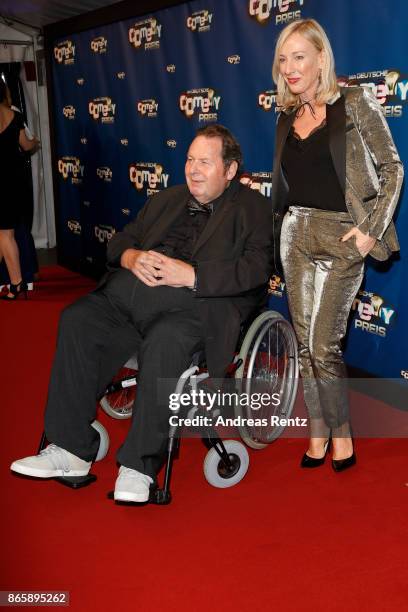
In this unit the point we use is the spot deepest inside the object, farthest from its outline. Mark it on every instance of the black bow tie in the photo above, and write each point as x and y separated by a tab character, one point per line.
195	207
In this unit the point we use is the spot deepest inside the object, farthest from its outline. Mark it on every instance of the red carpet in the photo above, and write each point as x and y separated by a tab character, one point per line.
283	539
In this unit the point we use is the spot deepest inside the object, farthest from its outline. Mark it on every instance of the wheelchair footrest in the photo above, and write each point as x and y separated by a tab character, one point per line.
76	482
159	497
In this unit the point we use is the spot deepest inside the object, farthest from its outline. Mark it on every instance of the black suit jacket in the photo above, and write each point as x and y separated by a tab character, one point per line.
233	258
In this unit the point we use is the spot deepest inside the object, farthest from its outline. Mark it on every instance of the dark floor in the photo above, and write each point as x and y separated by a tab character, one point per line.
47	257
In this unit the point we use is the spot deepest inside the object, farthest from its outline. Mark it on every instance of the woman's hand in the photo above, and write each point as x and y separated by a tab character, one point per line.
364	242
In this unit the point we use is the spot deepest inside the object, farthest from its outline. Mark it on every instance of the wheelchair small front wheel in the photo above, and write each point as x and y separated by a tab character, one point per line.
216	471
104	440
118	403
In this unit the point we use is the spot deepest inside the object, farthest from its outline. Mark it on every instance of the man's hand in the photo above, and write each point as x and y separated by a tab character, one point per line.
143	264
155	269
174	272
364	242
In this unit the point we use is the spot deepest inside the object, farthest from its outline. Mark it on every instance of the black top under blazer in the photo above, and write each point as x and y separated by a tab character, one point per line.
366	161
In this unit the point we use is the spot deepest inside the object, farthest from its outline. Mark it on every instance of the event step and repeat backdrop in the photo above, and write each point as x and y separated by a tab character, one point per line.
130	95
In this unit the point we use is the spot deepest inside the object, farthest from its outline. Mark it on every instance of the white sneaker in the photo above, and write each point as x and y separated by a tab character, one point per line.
132	486
51	462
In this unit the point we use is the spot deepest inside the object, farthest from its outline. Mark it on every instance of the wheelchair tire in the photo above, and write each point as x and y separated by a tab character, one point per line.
104	440
269	364
213	465
119	404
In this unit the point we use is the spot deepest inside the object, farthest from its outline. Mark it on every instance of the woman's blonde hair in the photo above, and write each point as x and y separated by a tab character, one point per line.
327	87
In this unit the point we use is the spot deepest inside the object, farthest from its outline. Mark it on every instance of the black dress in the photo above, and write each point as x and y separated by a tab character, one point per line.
11	174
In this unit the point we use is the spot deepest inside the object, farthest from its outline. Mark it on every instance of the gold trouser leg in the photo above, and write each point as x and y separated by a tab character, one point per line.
322	277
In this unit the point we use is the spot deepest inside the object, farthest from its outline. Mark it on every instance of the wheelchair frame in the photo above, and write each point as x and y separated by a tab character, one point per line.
226	462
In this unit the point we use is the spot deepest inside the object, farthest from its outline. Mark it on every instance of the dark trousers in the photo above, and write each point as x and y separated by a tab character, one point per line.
97	335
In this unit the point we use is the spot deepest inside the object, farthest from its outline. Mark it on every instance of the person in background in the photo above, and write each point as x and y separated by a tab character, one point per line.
12	138
337	178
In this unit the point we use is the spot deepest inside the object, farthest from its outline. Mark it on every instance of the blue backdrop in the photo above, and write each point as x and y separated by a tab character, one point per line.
130	95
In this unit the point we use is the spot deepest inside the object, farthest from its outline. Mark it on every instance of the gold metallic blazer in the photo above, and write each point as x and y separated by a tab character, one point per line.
366	162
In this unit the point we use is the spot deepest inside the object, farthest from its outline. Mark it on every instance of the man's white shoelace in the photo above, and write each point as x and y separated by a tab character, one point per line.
126	472
58	457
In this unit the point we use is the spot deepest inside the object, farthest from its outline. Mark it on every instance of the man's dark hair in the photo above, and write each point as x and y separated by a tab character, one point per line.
231	150
3	90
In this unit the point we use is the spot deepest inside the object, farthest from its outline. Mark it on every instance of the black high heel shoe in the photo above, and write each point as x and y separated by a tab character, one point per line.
339	465
312	462
16	291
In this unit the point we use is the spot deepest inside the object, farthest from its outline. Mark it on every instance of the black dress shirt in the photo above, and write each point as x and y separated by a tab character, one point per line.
188	227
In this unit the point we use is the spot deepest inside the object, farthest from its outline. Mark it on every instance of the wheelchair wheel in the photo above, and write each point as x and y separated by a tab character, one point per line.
118	403
215	471
104	440
269	365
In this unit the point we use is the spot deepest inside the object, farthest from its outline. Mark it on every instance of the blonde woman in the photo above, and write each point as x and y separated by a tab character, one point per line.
337	178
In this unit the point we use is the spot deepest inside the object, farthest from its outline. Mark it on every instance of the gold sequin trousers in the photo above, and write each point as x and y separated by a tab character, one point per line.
322	277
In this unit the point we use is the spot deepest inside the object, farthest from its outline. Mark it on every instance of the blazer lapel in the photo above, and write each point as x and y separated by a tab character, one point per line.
282	130
158	230
336	121
214	221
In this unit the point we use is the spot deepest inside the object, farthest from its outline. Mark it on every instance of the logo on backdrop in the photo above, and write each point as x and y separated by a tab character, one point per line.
171	68
200	21
372	313
146	34
80	81
260	181
148	175
389	86
281	11
99	44
203	102
69	112
125	211
147	108
84	140
171	143
404	374
71	167
233	59
104	232
267	100
64	52
104	173
124	142
103	109
74	226
276	286
121	75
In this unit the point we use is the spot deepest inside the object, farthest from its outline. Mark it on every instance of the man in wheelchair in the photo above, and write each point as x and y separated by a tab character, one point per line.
182	276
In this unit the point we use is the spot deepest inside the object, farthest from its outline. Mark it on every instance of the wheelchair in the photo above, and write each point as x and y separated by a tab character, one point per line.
267	362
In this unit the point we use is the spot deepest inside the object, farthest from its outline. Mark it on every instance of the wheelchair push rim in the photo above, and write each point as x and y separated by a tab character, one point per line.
270	364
